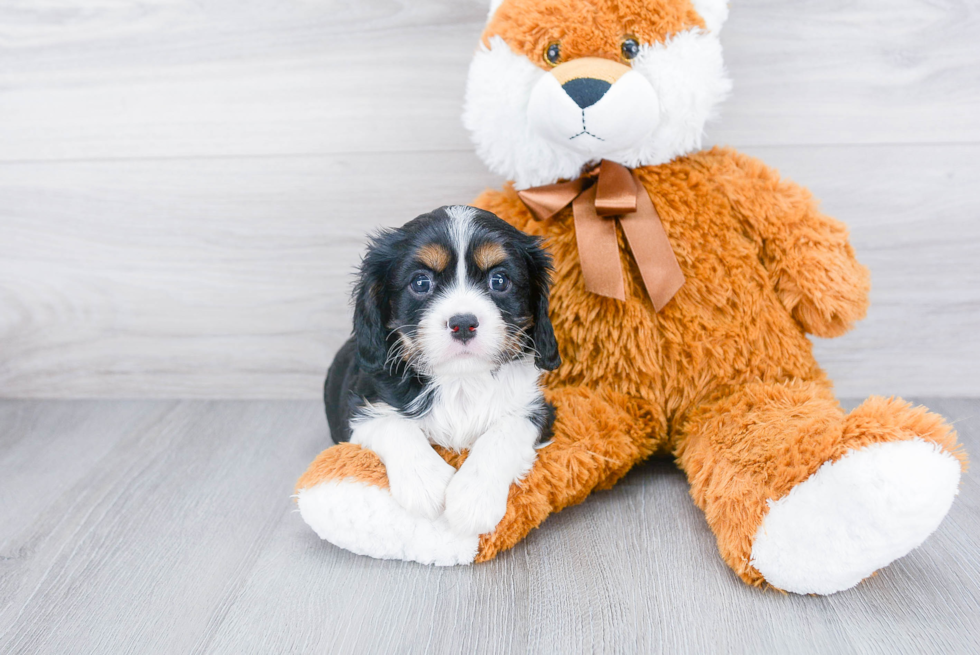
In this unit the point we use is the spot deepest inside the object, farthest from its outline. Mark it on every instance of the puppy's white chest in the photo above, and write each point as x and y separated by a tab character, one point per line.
466	407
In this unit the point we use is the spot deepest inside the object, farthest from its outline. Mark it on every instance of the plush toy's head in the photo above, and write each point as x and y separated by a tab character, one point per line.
559	84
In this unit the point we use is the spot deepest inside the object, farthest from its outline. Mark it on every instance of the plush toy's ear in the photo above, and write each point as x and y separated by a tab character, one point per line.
714	13
545	345
493	7
370	310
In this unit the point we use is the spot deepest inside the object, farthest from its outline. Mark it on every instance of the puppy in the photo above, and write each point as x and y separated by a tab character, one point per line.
451	333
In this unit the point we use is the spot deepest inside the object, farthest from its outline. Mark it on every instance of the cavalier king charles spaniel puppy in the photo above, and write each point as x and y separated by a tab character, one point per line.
451	333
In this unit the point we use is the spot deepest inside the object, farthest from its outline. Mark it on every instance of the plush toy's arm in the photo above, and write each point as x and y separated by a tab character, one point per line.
807	253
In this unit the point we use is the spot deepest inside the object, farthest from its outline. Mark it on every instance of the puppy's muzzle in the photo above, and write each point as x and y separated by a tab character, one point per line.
463	327
586	80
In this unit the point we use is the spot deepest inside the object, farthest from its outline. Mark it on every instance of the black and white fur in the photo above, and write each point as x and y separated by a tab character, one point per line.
448	357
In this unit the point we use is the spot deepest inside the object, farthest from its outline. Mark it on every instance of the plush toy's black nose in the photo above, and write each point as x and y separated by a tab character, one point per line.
586	91
463	327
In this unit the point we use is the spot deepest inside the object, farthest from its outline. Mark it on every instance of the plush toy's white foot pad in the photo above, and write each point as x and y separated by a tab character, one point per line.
366	520
855	515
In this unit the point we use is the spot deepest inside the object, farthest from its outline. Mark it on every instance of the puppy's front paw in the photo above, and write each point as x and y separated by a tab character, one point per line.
474	506
419	483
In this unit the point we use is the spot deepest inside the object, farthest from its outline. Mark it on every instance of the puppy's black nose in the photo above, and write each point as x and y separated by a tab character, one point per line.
586	91
463	327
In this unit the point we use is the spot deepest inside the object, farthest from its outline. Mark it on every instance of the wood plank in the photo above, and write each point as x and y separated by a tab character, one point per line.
852	71
229	278
179	537
38	451
175	78
210	278
136	552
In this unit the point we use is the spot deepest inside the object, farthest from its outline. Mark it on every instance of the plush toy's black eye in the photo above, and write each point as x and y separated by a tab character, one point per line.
499	281
630	48
421	284
552	54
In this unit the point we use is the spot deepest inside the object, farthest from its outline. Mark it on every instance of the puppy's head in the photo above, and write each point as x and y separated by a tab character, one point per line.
557	85
453	292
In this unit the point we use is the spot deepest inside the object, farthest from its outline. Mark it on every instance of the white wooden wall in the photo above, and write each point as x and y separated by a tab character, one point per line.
185	184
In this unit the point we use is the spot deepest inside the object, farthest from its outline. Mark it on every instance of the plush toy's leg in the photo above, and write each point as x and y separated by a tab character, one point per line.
598	437
812	501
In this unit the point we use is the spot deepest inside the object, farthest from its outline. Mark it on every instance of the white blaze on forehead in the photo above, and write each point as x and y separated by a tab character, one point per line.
460	212
460	228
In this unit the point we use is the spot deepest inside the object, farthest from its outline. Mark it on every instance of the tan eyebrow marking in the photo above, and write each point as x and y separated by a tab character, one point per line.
488	255
434	256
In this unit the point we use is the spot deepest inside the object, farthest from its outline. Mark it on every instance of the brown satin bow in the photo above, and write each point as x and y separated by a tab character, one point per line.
616	195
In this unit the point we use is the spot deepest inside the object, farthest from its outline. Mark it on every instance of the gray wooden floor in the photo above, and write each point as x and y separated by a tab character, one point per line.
166	527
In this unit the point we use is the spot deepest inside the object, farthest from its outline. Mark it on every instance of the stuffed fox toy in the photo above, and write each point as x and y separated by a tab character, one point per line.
685	284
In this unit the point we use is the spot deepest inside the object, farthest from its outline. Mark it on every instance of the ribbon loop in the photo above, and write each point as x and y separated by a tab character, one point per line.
546	201
617	193
616	190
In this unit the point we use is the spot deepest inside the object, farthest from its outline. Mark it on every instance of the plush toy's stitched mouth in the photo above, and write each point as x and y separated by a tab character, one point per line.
585	130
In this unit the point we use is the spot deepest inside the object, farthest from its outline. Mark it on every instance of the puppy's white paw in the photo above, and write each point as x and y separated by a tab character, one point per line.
419	483
474	505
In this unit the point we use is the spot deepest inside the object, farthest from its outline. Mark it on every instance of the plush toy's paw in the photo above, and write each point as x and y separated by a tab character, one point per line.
475	505
855	515
828	294
418	483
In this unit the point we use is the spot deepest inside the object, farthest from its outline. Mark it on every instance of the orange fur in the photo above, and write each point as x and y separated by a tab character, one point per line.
345	461
434	256
488	255
587	29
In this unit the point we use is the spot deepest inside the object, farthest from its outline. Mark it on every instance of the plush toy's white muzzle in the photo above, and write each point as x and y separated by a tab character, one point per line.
589	106
530	125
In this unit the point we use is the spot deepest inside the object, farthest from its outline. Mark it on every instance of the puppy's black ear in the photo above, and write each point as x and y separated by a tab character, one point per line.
371	307
545	345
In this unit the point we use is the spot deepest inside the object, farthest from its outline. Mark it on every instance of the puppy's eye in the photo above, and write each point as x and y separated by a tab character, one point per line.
552	53
499	281
630	48
421	284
